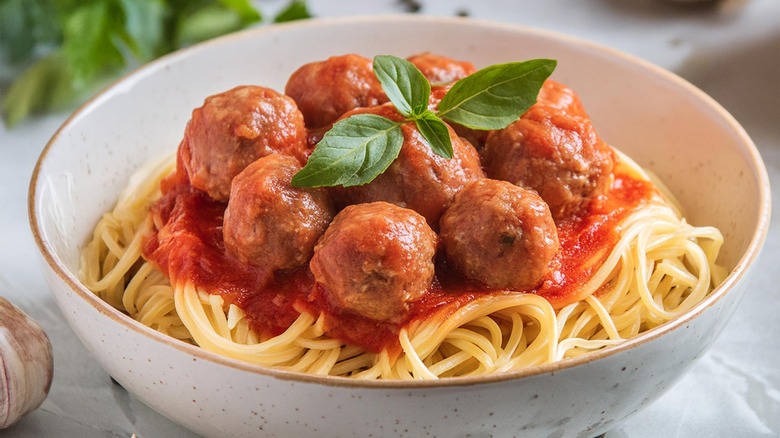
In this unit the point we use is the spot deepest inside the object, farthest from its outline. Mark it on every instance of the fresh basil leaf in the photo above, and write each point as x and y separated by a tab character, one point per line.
206	22
495	96
212	19
28	93
144	27
354	152
89	41
45	85
295	10
92	40
25	24
17	42
435	131
244	9
404	84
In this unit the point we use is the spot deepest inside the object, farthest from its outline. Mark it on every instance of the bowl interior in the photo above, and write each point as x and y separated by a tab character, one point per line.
664	123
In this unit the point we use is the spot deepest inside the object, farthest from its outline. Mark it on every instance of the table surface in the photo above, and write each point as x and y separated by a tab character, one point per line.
730	49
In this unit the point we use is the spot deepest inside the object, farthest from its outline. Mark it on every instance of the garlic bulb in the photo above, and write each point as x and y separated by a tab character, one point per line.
26	364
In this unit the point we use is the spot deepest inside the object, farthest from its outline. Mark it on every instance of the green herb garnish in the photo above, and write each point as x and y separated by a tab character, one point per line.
404	84
354	152
435	131
60	52
495	96
296	10
357	149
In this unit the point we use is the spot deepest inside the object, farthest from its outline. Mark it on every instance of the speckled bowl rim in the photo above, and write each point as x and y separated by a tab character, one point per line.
737	275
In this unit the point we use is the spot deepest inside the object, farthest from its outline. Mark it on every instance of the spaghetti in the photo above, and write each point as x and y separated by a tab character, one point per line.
658	268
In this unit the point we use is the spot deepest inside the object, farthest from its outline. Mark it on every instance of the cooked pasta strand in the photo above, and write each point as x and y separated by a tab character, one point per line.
660	267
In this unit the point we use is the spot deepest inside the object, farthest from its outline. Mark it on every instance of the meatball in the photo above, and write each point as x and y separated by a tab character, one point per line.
499	234
562	97
437	94
375	259
235	128
327	89
558	155
418	179
476	137
270	223
441	69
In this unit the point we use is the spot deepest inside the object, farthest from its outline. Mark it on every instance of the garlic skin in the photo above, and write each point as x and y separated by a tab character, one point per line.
26	364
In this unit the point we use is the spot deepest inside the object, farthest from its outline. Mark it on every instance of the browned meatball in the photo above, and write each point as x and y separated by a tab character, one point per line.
270	223
560	96
558	155
418	179
233	129
375	259
327	89
499	234
441	69
437	94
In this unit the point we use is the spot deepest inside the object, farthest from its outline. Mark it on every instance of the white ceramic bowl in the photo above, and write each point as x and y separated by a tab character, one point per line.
666	124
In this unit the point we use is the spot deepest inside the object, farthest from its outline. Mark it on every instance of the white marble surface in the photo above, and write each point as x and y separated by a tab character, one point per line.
730	49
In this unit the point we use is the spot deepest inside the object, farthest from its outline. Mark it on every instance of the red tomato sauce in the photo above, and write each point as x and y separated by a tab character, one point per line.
187	246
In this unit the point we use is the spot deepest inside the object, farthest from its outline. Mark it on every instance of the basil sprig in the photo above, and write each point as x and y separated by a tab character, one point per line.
495	96
404	84
359	148
355	151
435	131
